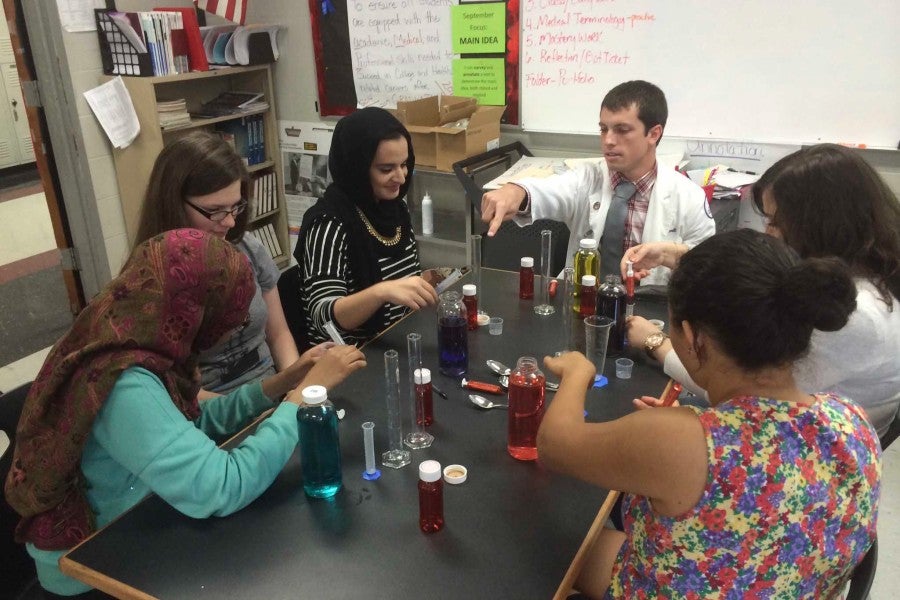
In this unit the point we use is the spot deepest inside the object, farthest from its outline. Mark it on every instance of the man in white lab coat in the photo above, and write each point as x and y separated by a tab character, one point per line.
625	200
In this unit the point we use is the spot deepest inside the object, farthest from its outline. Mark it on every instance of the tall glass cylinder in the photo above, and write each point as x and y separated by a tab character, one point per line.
417	437
545	308
475	249
568	299
396	456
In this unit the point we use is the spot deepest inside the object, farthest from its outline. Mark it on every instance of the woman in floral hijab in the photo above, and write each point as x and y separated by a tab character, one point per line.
113	413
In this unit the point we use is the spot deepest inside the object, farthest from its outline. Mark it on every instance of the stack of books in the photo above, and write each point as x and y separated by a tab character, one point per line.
266	234
247	136
232	103
264	195
173	113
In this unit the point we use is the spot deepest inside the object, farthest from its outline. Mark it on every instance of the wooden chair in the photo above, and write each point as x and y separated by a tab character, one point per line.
568	580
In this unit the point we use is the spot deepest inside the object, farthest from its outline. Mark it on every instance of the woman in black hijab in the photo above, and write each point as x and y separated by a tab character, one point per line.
358	258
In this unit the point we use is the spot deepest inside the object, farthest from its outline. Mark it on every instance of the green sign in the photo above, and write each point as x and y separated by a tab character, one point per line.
478	28
481	78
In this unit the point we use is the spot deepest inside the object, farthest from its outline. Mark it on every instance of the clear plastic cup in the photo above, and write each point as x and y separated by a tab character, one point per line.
495	325
623	368
596	334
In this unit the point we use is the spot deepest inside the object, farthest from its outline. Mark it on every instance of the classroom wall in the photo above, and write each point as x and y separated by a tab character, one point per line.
295	71
295	84
83	55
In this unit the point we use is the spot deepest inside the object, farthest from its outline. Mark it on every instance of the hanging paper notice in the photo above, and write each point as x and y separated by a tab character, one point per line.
478	28
400	50
480	78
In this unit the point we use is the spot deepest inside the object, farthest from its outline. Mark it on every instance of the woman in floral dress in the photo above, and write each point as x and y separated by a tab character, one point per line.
769	493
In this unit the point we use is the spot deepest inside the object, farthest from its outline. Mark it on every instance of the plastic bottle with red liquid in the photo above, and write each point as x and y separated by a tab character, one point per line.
526	409
424	398
470	299
431	497
588	296
526	278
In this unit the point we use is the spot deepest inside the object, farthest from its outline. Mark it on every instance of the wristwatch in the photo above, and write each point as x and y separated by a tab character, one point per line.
654	341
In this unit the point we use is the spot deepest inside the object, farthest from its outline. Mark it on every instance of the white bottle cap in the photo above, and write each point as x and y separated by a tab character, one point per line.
314	394
588	244
527	262
455	474
469	289
588	281
629	269
429	470
421	376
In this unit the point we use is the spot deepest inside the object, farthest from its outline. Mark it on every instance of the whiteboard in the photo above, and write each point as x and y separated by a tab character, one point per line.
779	71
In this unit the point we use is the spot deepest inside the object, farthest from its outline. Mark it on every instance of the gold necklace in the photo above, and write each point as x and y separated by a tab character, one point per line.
387	241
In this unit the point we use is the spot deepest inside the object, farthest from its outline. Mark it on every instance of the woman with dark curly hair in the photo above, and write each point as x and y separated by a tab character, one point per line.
824	201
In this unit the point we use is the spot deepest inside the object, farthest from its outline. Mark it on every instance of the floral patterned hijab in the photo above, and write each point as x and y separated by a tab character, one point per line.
177	295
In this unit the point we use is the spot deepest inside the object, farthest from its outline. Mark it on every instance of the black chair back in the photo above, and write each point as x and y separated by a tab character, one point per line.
511	243
289	286
891	434
16	566
864	575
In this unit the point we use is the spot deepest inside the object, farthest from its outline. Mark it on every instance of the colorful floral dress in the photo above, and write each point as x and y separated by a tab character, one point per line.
788	510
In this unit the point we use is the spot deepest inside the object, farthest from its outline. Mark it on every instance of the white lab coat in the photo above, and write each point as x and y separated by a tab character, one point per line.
580	198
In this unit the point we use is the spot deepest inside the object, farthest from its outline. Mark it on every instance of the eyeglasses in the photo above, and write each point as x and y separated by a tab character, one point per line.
219	215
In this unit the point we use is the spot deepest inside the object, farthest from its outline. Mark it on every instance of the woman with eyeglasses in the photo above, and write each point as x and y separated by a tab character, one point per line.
358	258
199	181
113	414
824	201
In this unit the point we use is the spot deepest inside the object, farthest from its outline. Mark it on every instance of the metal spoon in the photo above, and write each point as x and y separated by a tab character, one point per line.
498	367
552	387
482	402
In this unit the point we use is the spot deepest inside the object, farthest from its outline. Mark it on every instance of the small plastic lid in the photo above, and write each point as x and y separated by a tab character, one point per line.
429	470
588	243
422	376
483	319
527	262
314	394
455	474
588	280
469	289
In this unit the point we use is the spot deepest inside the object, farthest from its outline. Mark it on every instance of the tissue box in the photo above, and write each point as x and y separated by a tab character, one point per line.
439	146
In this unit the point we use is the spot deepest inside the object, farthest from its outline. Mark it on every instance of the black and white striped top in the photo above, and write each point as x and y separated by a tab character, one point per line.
327	276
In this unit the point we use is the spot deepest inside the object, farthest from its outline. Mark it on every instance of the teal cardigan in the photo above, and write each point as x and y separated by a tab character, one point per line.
141	443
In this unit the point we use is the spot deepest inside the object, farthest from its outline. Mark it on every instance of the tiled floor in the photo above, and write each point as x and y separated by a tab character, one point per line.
887	578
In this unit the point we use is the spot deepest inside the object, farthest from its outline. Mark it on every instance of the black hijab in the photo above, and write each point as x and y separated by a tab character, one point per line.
353	147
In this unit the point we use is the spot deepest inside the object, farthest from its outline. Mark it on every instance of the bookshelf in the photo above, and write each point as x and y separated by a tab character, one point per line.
134	163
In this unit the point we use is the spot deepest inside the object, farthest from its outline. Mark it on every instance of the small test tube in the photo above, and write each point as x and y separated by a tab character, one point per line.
335	335
629	289
671	393
371	472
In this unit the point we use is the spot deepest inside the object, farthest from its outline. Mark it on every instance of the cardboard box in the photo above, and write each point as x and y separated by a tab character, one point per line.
438	146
